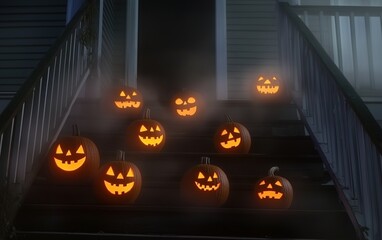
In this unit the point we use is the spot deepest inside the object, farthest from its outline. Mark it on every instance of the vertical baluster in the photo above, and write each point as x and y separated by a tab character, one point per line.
44	92
370	53
68	80
15	163
51	99
58	81
354	50
8	149
63	79
339	45
30	128
37	119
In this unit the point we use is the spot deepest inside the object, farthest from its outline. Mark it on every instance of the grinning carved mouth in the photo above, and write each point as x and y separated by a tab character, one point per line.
127	104
70	165
207	187
268	89
118	189
270	194
151	141
186	112
231	143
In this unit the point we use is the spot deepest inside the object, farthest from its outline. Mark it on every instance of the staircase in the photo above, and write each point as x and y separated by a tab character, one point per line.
27	31
71	211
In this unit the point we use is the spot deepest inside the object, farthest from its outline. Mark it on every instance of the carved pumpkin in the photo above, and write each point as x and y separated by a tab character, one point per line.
205	184
186	105
127	98
273	191
267	85
74	158
118	182
232	137
146	134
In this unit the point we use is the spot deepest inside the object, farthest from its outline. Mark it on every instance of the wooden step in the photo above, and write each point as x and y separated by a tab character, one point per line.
186	221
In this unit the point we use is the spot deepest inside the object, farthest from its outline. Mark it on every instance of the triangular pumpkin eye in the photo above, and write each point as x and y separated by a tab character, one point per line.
143	129
236	130
130	173
110	171
215	175
80	150
134	93
122	94
200	175
278	183
224	132
262	183
274	78
261	79
59	149
157	128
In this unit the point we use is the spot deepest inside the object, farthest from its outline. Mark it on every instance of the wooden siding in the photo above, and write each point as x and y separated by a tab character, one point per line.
27	30
252	45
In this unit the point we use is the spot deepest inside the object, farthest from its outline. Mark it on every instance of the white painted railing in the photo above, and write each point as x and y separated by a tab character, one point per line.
345	132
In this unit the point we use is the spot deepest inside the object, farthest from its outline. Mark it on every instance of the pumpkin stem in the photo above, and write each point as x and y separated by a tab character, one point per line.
228	117
206	160
75	130
273	170
147	114
120	155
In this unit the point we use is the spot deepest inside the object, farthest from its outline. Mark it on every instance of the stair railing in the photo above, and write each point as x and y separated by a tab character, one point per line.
33	119
346	134
347	34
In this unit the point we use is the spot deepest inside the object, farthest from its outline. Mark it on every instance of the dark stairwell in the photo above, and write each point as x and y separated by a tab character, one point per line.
318	211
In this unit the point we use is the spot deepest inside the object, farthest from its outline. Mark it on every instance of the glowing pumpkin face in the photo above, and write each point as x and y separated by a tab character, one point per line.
127	98
68	161
267	85
73	158
118	182
205	184
274	191
186	106
232	137
146	134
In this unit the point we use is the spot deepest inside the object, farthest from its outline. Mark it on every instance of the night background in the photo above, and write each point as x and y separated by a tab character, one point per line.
176	47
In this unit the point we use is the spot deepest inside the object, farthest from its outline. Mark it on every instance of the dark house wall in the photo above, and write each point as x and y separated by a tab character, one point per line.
176	46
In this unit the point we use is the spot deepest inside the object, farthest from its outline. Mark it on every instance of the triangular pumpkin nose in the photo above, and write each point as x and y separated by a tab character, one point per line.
269	186
230	136
267	81
128	97
120	176
209	179
151	129
68	153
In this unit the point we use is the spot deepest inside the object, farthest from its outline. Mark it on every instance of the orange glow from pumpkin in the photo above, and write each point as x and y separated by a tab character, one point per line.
231	142
182	106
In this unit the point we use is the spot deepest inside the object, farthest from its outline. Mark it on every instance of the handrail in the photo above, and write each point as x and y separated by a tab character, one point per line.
345	132
347	33
342	10
33	119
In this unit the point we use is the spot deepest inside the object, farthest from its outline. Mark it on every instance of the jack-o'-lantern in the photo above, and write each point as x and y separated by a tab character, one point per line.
118	182
146	134
127	98
267	85
273	191
232	137
205	184
186	104
73	158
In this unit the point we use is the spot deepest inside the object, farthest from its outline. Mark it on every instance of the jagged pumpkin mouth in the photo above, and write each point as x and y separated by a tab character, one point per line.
151	141
187	112
118	189
270	195
127	104
207	187
69	165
